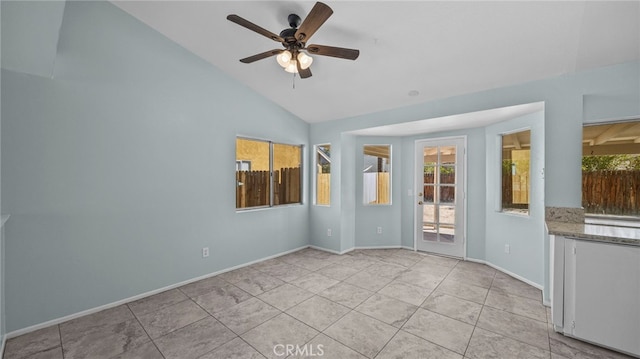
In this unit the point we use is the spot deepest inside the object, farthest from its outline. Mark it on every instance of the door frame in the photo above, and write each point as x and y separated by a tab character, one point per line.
418	160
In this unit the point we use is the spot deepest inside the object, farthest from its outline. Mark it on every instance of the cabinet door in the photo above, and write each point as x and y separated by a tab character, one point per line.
606	294
556	252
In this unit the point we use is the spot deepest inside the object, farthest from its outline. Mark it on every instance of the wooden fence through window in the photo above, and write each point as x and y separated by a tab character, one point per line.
383	189
253	187
447	193
323	189
515	190
611	192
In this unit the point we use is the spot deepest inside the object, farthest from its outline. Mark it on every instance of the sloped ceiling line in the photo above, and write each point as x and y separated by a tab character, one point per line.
439	48
30	34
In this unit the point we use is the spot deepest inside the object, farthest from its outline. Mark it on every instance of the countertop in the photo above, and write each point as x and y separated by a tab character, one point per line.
614	234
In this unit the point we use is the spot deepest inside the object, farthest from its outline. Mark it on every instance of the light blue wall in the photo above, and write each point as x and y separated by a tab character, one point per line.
524	234
611	102
120	169
569	100
323	218
370	217
347	189
30	35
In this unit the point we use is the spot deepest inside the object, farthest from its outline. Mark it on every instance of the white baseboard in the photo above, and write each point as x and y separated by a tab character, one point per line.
347	250
331	250
522	279
56	321
469	259
366	247
378	247
325	249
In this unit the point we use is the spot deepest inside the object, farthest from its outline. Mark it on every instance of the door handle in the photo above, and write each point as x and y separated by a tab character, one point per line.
420	203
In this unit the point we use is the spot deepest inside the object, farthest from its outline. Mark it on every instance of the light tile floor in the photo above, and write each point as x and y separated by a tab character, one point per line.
378	303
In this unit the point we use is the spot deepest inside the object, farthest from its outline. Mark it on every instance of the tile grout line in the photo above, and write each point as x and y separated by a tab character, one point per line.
374	293
229	329
60	334
351	310
473	332
375	260
145	331
491	331
138	321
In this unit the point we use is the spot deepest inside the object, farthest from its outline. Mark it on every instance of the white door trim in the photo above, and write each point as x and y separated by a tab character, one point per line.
417	189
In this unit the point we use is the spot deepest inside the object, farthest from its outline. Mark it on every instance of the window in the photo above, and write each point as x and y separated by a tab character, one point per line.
376	174
515	161
323	175
611	169
267	173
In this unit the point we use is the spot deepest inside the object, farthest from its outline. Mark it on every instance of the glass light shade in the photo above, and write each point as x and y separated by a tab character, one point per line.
284	58
305	60
292	68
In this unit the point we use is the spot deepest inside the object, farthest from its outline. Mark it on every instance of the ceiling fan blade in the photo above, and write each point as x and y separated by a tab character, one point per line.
304	73
339	52
318	15
264	55
253	27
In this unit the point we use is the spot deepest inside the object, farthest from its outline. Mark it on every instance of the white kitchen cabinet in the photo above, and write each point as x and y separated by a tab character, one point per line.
596	292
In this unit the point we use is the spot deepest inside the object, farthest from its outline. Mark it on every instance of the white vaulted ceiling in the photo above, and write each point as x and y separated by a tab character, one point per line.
437	48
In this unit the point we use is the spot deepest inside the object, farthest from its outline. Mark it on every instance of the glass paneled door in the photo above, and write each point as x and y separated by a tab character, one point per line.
440	196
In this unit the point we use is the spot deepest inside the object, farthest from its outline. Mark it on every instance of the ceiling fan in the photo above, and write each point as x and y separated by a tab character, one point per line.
294	58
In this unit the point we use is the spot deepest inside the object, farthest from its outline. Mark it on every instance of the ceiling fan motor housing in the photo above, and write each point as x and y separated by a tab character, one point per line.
289	35
294	20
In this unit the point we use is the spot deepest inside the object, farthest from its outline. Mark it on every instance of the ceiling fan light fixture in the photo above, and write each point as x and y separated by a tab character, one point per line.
289	63
284	58
305	60
292	67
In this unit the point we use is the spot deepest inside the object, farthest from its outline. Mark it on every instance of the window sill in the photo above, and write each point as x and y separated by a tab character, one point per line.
266	208
516	213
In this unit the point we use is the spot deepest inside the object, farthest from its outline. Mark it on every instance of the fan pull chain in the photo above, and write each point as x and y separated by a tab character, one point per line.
293	81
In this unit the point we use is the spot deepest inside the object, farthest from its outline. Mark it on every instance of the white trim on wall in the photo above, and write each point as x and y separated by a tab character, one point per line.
56	321
378	247
66	318
522	279
331	250
469	259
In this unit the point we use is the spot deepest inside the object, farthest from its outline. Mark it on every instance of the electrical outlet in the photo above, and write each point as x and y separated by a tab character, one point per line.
328	232
205	252
507	248
379	230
